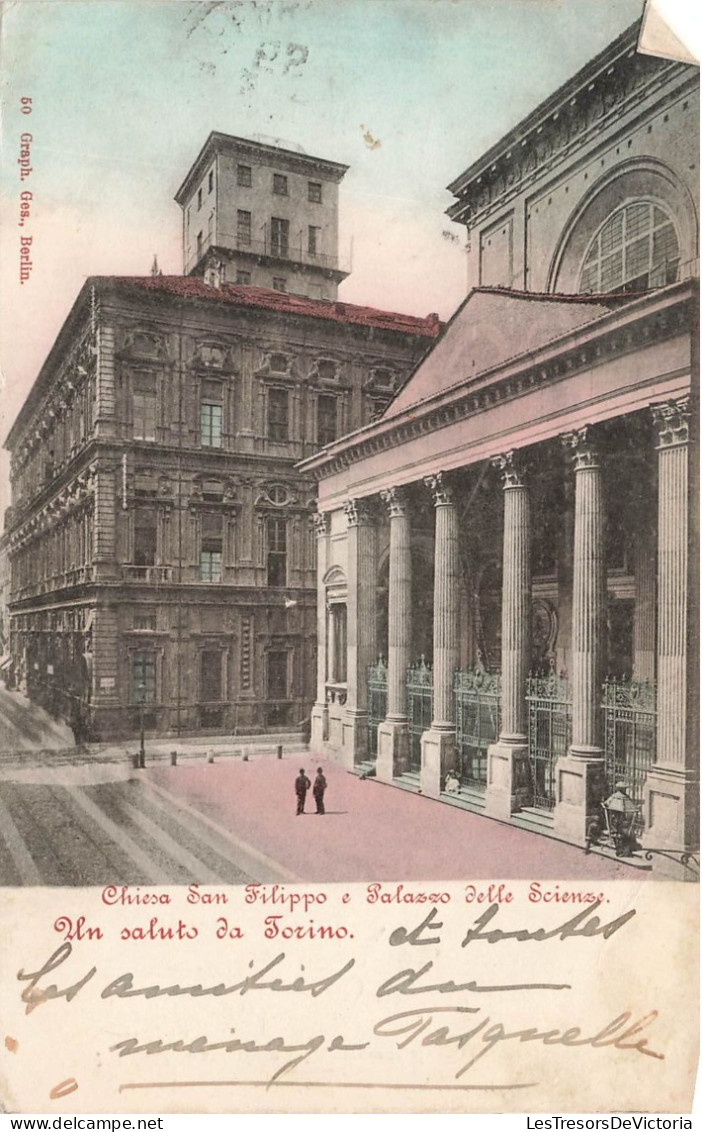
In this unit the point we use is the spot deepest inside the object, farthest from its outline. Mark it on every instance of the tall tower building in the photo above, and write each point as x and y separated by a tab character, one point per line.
255	213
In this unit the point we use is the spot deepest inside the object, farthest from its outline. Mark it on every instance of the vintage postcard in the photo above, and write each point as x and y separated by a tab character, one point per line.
349	609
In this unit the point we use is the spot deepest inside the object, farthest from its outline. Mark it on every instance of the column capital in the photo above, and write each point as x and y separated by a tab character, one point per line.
396	501
511	467
582	446
359	512
320	522
671	420
441	490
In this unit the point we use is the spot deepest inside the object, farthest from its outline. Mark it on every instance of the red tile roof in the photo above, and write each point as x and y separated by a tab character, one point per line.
192	287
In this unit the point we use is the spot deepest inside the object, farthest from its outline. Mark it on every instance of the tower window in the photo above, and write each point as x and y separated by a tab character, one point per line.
280	184
279	284
243	276
280	236
243	227
210	181
314	191
243	176
199	198
313	239
636	249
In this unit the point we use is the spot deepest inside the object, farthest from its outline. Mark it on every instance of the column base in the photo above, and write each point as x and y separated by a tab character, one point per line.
438	756
508	787
580	791
393	749
319	726
354	742
670	815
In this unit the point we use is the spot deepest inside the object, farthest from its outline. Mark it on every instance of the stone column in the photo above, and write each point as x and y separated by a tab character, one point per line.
508	759
320	713
645	605
671	790
361	631
439	742
393	733
580	775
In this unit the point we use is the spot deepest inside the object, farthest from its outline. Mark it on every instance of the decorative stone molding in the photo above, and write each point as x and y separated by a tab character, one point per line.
581	446
672	422
359	512
511	467
320	521
441	490
396	501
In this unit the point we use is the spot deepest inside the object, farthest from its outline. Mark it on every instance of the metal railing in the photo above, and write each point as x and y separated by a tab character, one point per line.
629	708
420	706
377	702
549	734
478	712
286	251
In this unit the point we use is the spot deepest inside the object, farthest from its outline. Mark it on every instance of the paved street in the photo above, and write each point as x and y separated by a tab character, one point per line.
233	821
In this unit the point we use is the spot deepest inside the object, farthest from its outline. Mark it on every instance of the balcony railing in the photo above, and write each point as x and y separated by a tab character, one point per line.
147	573
287	251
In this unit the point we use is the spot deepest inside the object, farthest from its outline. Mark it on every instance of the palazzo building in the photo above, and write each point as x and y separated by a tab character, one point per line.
506	560
161	552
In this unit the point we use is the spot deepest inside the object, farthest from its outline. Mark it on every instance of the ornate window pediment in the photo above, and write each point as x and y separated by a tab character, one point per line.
143	344
276	495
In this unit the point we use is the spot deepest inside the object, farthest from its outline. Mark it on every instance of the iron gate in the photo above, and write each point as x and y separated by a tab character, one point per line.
550	726
420	706
377	702
477	694
630	735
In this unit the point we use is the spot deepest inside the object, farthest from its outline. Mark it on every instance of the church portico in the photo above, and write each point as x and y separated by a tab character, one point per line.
533	689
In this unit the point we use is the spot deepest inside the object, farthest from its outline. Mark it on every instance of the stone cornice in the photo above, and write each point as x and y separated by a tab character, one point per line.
643	322
602	93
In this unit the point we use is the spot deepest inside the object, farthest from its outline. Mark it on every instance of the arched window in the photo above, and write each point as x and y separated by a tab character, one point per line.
636	249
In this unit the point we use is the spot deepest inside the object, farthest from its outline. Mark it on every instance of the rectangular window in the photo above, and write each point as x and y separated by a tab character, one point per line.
278	402
243	176
143	687
199	198
210	181
280	236
243	276
211	425
313	239
280	284
211	676
277	676
145	536
280	184
326	419
144	415
145	622
277	561
199	244
314	191
243	227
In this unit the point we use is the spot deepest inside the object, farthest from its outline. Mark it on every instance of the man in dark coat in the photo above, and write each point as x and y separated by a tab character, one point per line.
320	785
302	785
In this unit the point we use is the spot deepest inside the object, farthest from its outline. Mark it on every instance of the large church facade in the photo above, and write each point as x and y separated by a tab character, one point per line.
506	560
